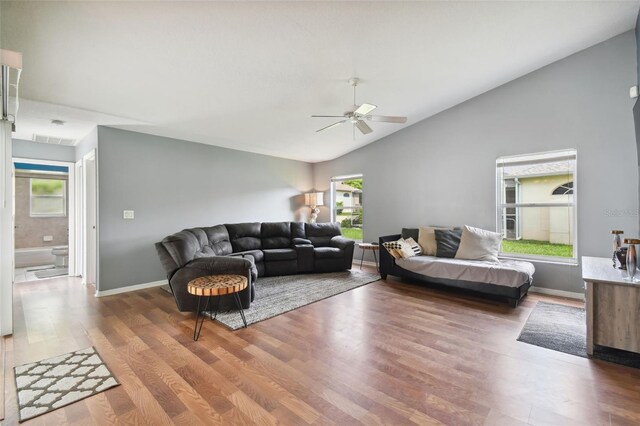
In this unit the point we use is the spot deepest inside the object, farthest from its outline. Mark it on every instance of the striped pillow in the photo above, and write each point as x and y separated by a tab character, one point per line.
415	247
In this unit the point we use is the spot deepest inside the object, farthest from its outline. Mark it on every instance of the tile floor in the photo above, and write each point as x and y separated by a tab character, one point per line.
28	273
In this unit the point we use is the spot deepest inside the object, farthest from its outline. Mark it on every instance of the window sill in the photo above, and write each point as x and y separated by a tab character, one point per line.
551	260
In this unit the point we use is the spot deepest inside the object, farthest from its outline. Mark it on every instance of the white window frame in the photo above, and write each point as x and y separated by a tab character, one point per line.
533	158
63	196
334	181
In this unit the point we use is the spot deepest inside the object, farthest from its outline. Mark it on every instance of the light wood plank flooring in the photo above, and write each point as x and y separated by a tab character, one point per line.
385	353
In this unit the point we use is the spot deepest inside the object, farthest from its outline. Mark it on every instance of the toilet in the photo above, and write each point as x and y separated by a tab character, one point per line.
62	256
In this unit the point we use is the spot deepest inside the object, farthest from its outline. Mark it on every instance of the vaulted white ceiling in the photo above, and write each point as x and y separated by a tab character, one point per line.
247	75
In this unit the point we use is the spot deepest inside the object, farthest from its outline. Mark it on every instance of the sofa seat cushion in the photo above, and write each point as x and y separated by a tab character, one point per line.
509	273
279	254
258	256
327	253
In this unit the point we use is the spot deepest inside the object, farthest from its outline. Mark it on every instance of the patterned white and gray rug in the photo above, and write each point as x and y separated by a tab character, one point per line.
52	383
277	295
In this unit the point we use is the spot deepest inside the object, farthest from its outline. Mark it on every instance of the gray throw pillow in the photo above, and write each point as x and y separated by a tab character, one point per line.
448	241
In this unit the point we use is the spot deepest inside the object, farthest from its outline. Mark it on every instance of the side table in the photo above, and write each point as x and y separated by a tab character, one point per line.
216	285
369	246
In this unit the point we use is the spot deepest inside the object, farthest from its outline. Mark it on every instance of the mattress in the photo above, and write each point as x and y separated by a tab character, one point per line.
509	273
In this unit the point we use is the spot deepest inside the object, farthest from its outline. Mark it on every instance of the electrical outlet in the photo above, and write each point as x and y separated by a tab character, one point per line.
128	214
47	238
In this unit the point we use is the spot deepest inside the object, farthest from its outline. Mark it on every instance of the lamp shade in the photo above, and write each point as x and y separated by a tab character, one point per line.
11	59
314	199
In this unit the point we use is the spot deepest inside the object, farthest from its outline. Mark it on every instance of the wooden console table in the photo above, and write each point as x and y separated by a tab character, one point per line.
612	306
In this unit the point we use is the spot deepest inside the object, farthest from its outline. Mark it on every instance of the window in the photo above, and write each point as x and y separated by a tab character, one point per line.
346	205
565	189
536	205
48	197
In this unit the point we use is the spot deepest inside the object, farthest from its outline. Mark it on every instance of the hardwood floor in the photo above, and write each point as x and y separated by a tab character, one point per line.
385	353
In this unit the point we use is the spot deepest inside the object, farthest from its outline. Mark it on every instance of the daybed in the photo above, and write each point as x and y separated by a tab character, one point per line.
253	250
508	279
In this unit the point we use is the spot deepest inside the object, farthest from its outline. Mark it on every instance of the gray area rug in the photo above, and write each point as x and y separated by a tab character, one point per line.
52	383
277	295
558	327
563	329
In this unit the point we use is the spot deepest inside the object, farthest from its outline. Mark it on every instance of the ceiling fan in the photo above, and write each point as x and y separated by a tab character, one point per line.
358	114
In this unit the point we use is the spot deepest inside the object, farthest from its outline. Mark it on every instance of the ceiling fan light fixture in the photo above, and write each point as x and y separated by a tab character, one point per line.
358	113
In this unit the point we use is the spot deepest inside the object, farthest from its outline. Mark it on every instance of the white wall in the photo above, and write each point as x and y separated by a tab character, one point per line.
442	169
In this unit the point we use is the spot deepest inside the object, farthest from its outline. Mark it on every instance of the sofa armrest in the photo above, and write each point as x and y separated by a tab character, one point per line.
386	260
341	242
223	265
301	242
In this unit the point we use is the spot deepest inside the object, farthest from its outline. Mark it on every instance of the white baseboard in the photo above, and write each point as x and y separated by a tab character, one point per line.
356	263
560	293
131	288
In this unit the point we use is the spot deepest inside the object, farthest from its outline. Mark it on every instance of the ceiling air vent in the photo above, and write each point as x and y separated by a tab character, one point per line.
54	140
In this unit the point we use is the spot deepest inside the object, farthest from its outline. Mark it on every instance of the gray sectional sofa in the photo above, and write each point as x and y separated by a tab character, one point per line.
253	250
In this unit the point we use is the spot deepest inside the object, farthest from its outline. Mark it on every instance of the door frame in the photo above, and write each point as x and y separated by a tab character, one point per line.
7	249
71	202
90	156
79	190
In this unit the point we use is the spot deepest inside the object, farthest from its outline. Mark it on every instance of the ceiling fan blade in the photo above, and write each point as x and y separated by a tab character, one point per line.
331	125
364	109
386	118
363	127
326	116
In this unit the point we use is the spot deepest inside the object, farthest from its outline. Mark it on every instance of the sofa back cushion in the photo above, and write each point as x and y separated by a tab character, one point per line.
297	230
276	235
244	236
219	240
320	234
183	246
409	233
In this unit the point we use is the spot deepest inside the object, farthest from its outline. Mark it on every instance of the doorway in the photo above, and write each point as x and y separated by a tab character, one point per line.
44	219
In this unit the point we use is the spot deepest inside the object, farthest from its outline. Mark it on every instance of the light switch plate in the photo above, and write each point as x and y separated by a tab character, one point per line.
128	214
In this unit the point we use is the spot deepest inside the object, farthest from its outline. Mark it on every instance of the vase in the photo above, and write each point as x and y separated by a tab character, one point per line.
632	262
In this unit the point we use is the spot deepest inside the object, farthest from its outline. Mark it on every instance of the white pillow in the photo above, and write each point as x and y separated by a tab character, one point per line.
427	239
479	244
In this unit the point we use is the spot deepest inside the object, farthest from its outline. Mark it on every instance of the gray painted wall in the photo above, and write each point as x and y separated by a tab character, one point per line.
172	185
42	151
442	170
